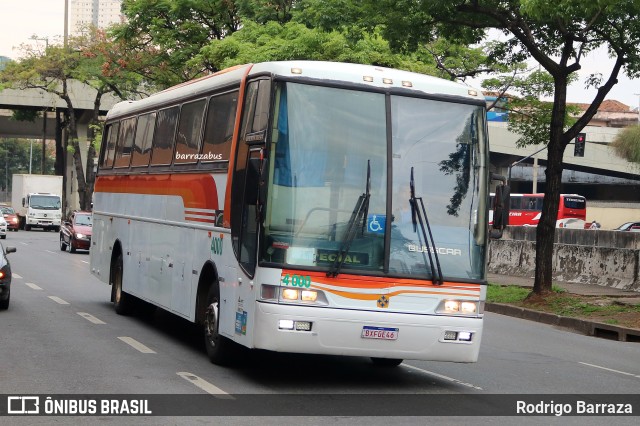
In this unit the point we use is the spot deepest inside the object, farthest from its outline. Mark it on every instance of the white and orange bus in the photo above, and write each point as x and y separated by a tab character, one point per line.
305	207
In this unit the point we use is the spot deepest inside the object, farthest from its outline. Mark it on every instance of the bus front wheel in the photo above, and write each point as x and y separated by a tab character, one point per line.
121	300
219	348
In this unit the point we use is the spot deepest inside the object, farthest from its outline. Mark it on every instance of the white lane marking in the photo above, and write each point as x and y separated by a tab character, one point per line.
33	286
609	369
440	376
91	318
52	252
58	300
204	385
26	244
84	261
137	345
16	276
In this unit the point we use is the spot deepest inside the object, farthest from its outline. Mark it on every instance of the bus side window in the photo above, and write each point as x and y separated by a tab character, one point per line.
218	133
143	140
189	132
163	137
111	140
516	203
123	151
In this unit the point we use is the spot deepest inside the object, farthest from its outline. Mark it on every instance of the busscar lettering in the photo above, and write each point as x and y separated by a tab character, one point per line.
441	250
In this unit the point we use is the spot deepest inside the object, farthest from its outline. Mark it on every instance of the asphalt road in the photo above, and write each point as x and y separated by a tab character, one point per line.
61	336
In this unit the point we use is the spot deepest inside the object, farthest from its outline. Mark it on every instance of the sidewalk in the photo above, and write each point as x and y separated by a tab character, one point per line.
582	326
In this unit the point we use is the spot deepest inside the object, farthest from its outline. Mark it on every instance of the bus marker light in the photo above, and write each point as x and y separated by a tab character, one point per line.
367	78
285	324
450	335
465	336
296	70
269	292
289	294
303	325
309	295
407	84
387	81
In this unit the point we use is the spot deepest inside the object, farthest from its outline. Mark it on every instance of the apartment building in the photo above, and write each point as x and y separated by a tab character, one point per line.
100	13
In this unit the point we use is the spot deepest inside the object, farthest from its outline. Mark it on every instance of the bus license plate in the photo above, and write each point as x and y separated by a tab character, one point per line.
381	333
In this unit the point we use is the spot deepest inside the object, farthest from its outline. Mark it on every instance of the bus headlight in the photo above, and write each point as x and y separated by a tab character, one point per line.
274	293
463	307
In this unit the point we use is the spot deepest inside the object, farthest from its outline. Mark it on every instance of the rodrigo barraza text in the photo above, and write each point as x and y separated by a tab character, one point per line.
578	407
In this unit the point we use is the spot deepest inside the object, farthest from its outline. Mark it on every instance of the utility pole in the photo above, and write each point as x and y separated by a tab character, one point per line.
44	116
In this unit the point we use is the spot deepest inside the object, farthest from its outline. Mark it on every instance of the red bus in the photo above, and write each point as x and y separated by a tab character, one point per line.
525	210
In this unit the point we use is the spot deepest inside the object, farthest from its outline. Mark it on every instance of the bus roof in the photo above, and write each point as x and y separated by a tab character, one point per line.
366	75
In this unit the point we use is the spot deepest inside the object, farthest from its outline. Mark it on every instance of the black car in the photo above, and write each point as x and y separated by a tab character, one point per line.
5	276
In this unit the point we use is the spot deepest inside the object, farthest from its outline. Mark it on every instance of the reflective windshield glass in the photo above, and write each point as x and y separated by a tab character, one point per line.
440	141
325	141
45	202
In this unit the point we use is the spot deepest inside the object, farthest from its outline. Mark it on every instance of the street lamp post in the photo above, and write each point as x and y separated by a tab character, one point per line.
44	116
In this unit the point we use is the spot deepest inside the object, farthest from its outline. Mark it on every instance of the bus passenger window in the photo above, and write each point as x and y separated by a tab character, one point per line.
143	140
110	148
123	151
218	133
163	141
189	131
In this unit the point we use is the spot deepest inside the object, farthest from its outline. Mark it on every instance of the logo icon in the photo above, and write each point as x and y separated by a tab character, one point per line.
23	405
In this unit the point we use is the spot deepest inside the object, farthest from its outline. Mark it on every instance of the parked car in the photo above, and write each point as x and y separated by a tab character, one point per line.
3	228
629	226
11	217
75	233
5	276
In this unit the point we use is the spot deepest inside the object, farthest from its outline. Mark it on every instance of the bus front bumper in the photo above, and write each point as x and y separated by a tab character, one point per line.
340	332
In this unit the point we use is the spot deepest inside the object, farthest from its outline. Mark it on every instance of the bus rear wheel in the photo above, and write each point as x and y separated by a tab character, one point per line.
219	348
122	302
386	362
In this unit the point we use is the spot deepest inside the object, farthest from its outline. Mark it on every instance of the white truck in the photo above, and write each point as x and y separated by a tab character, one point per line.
37	201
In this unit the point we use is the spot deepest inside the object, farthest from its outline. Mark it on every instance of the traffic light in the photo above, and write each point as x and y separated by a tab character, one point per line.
578	150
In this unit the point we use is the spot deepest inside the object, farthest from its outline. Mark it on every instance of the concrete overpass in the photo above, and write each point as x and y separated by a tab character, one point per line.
82	97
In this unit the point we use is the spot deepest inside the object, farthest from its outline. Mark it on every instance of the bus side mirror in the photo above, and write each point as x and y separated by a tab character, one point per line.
501	204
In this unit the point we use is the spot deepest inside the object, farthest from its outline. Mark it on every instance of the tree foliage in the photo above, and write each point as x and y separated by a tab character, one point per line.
557	35
627	144
82	60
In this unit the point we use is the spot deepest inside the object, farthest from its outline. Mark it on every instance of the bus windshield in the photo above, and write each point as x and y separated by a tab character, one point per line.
327	141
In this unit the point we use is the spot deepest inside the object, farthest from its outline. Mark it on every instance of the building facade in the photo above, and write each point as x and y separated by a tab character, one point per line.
99	13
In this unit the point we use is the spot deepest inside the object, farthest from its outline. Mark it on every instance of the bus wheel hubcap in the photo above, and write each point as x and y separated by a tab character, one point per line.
210	323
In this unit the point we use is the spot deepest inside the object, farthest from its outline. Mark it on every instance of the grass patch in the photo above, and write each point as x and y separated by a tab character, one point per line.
561	302
506	294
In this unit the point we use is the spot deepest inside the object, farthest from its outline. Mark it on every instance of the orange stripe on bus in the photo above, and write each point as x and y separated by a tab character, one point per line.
198	191
358	281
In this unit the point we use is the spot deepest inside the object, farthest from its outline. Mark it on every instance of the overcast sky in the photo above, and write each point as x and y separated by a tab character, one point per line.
22	19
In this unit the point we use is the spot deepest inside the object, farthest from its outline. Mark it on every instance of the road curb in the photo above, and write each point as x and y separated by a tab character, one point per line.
586	327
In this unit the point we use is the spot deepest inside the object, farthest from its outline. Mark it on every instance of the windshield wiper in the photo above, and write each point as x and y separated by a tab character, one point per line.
417	214
358	215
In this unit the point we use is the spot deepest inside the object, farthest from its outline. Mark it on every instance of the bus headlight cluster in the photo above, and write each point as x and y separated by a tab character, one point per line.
462	307
460	336
292	295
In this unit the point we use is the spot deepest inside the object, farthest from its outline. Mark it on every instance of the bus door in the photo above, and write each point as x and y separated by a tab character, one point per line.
245	207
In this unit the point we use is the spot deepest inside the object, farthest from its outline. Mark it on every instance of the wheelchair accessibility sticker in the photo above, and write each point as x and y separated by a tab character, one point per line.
376	223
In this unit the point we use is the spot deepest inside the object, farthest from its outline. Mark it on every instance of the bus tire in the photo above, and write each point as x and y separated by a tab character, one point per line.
122	302
386	362
219	348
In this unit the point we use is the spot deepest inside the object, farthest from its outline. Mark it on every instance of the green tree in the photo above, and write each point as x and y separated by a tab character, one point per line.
557	35
627	144
82	60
